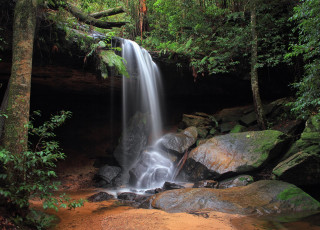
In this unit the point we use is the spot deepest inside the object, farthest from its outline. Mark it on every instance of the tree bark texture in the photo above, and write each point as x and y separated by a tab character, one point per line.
254	72
109	12
16	130
82	17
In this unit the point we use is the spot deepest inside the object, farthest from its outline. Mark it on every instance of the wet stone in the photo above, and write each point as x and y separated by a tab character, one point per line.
170	186
205	184
101	196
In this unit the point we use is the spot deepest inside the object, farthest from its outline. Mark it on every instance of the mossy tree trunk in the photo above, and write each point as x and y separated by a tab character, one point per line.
16	130
254	71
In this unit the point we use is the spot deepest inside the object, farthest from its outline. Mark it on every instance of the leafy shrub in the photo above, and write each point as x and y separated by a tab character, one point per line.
306	15
29	175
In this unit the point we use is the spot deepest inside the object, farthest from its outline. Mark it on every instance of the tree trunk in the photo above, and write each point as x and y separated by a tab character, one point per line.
16	130
106	13
254	72
3	110
82	17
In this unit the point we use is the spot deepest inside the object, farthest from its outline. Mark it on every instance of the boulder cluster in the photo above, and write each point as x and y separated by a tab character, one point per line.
225	163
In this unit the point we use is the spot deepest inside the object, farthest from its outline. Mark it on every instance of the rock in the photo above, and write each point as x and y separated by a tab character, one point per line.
197	121
309	137
291	127
226	127
234	153
101	196
202	131
205	184
108	173
262	197
133	199
169	186
301	165
179	142
249	119
300	169
233	114
131	145
130	196
117	181
237	181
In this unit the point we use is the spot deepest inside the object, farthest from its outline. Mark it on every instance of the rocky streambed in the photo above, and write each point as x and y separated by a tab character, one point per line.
225	166
234	167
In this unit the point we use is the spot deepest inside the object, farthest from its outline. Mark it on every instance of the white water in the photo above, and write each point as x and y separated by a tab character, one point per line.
142	89
141	92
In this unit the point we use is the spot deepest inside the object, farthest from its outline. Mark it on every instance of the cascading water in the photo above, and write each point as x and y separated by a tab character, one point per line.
141	93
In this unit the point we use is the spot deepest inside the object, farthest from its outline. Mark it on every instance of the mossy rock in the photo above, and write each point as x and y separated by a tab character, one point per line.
309	137
301	168
202	132
235	152
262	197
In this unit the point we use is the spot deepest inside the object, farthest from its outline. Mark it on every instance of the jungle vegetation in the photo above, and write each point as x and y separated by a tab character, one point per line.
211	36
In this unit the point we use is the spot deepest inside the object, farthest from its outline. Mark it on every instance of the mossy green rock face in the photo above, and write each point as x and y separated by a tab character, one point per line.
236	152
301	165
262	197
300	169
309	137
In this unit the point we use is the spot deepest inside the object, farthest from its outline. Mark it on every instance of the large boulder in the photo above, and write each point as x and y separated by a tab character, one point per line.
108	173
262	197
233	153
301	165
179	142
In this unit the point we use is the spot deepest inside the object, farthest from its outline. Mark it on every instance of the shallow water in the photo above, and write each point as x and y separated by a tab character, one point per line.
294	221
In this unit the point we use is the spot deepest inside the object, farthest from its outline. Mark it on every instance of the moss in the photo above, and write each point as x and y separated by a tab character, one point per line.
311	136
299	198
261	159
289	193
245	178
237	129
213	131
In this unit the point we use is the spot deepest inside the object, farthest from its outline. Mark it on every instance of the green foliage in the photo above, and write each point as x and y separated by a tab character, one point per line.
29	175
215	35
307	17
107	56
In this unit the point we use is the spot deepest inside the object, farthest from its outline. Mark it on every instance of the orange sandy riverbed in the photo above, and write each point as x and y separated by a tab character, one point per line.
112	215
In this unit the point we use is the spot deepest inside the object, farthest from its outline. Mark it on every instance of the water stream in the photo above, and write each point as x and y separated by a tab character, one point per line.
142	93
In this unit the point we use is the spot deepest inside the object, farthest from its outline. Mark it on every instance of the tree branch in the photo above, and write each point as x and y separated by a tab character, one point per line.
90	20
109	12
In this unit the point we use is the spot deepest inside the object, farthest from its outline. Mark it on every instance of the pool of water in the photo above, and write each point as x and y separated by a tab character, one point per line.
296	221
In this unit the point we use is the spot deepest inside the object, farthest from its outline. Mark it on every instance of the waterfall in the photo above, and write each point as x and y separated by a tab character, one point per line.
142	90
141	93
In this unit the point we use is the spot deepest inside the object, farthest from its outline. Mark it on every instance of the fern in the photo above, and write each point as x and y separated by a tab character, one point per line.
109	58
